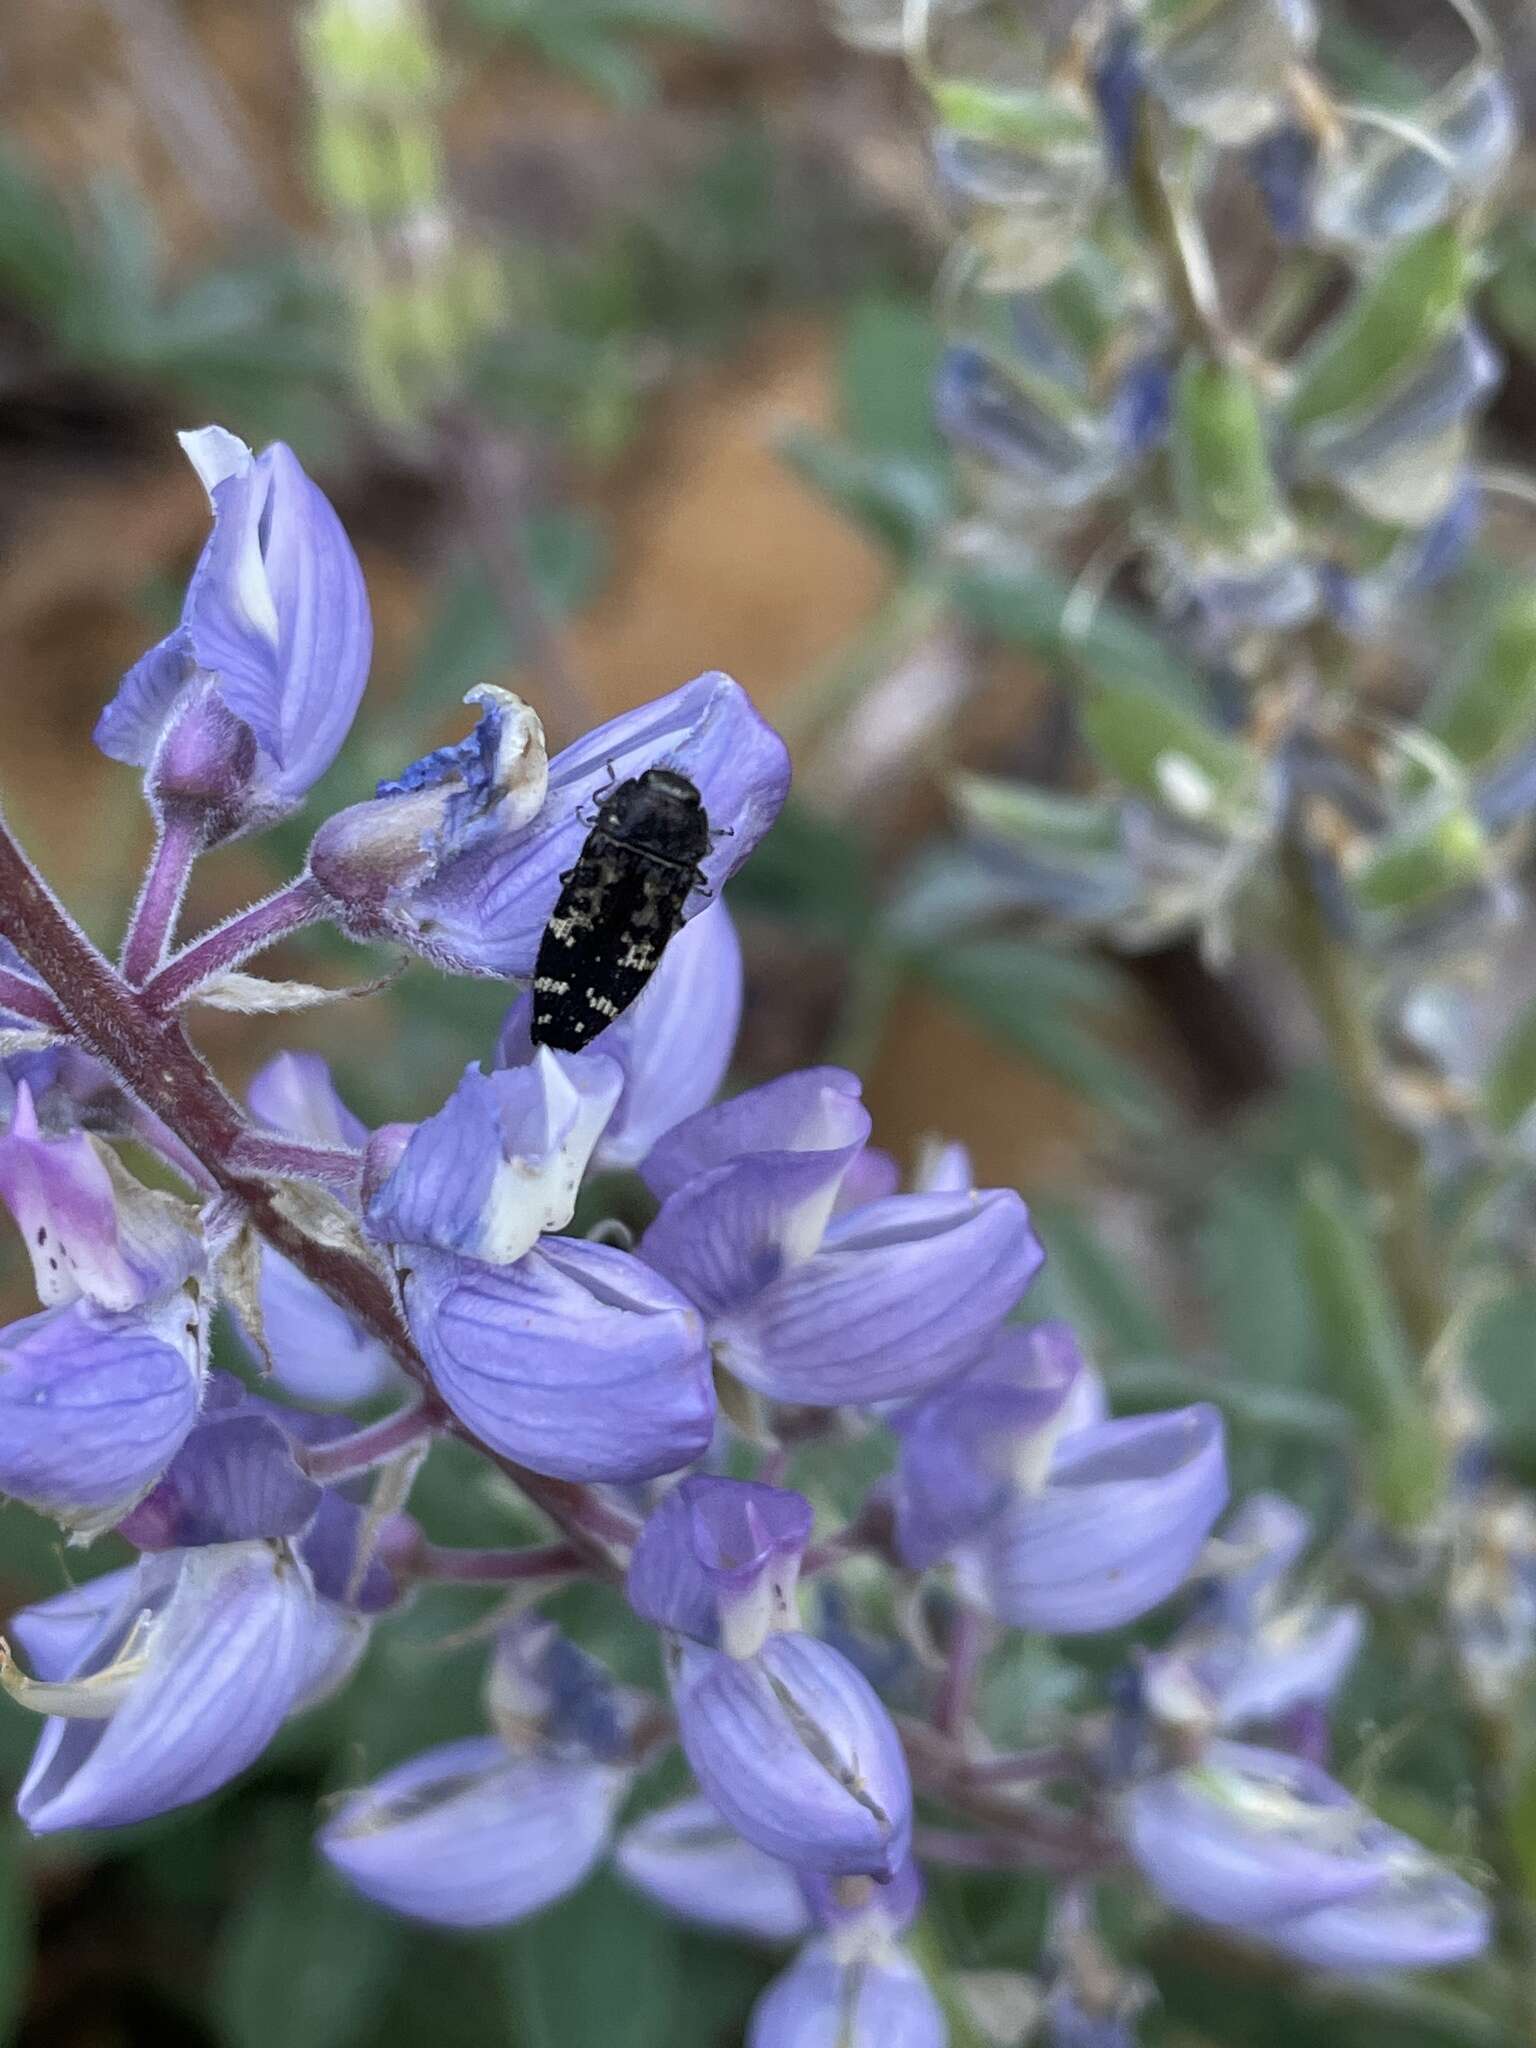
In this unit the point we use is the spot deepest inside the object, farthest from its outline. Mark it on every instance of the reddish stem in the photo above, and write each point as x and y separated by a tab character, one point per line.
238	939
281	1158
376	1445
153	923
446	1565
28	999
970	1639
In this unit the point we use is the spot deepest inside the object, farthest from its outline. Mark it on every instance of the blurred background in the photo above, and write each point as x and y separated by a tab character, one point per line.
606	325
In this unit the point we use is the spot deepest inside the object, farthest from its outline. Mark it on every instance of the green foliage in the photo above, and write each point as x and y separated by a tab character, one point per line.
255	342
603	1970
1395	316
300	1959
592	39
1224	487
1369	1362
1052	1004
15	1927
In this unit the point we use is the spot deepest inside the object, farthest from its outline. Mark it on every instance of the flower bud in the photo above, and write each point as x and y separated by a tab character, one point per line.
718	1561
796	1751
243	708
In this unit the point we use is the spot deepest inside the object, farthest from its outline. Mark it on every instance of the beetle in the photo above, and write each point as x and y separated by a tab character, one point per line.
618	906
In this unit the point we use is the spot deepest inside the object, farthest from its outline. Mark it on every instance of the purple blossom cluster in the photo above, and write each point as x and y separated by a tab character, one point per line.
648	1392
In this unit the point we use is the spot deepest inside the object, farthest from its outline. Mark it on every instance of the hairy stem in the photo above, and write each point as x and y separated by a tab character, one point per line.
446	1565
23	997
277	1157
1390	1160
345	1456
152	926
235	941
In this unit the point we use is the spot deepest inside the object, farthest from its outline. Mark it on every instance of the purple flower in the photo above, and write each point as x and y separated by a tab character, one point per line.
794	1748
499	1164
244	707
579	1360
318	1352
235	1479
484	1831
1251	1653
94	1405
826	2001
1120	1518
1420	1916
966	1449
473	1835
1270	1845
167	1688
718	1560
878	1302
687	1860
1057	1520
1061	454
461	858
90	1229
673	1044
238	1478
789	1741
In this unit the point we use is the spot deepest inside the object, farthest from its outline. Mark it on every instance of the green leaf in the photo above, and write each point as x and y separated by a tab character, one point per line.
890	353
1014	117
15	1927
599	1970
1041	999
1395	316
301	1960
900	503
1045	822
41	265
1423	861
1364	1346
1250	1258
1028	606
1487	703
1223	483
810	871
1139	733
1366	1352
